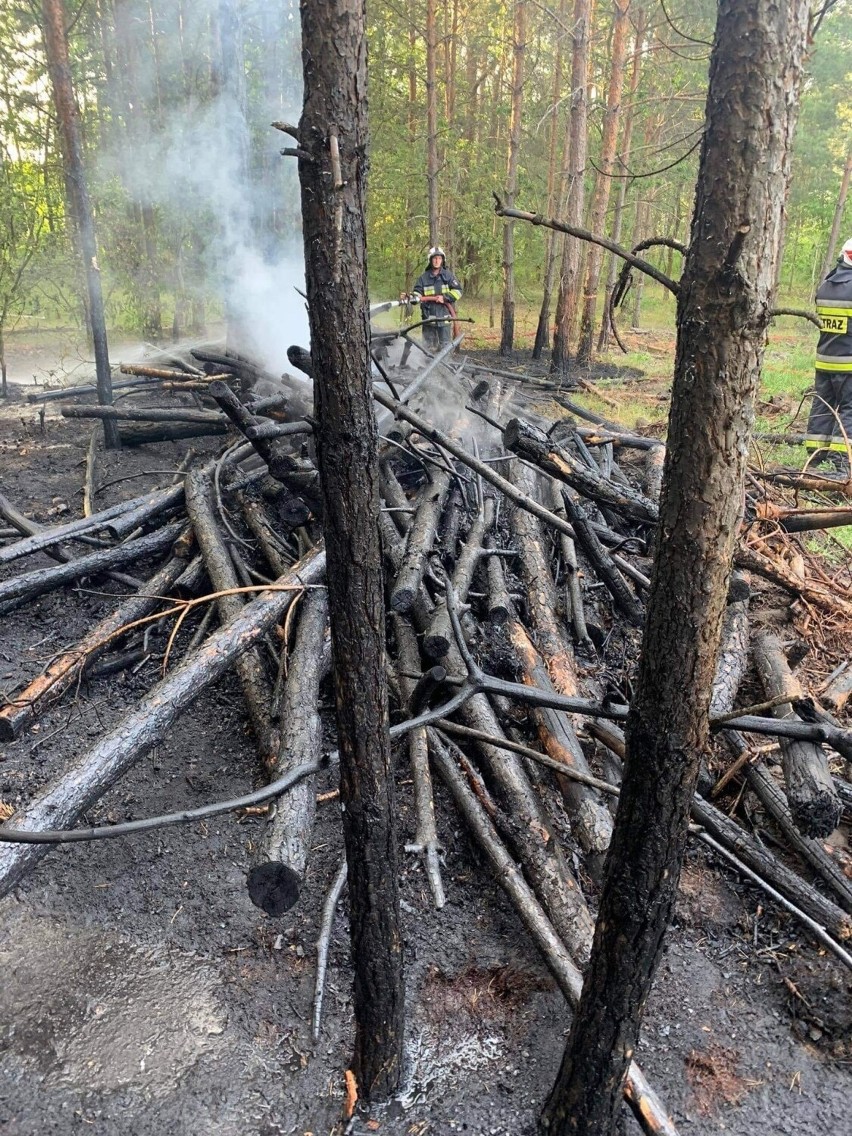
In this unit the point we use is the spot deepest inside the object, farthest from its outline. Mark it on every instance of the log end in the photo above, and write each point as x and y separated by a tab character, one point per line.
436	645
273	887
402	600
818	816
512	432
12	721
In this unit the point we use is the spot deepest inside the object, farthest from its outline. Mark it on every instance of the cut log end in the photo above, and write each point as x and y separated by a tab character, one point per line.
10	727
274	887
436	645
817	817
402	600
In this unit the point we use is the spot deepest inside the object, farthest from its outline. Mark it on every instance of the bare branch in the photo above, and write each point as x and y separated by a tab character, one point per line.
585	235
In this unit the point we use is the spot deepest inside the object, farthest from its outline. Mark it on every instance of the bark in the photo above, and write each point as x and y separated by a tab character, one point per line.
575	608
771	796
519	47
426	835
238	222
839	207
438	636
590	820
135	511
433	212
648	1109
569	281
257	689
80	205
531	444
604	564
276	878
813	800
70	666
168	432
756	856
61	803
724	302
21	589
551	248
600	200
837	691
421	537
732	662
147	414
750	851
332	172
531	833
623	166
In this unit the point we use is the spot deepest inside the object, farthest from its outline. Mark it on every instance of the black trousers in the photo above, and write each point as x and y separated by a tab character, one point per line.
833	400
436	335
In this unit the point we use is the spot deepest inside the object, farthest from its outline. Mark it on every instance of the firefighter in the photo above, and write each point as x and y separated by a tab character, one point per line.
833	399
437	291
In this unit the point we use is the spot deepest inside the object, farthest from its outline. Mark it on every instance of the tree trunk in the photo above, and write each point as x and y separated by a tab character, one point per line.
236	222
600	202
519	49
552	246
623	166
333	136
431	123
838	217
569	282
723	313
80	206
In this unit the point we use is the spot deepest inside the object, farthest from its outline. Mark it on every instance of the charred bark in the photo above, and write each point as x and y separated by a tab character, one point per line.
813	800
332	172
277	875
257	689
724	303
421	537
530	443
62	672
68	118
21	589
61	803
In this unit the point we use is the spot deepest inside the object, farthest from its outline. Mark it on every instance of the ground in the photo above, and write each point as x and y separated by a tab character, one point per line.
143	993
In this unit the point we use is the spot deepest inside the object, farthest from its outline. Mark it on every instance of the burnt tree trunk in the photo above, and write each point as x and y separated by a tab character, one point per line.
68	119
723	310
332	171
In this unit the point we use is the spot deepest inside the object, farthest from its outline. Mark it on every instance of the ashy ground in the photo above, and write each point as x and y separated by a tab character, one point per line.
142	993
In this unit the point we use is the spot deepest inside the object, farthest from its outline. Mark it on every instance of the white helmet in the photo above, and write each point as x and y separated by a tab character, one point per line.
436	250
847	252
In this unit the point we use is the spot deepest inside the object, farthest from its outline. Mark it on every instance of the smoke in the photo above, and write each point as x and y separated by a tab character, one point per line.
201	153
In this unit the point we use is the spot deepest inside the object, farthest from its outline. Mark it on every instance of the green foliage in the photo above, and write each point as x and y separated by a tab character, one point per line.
148	82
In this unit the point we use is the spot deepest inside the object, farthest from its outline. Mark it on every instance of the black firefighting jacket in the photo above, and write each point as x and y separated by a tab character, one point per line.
443	283
834	309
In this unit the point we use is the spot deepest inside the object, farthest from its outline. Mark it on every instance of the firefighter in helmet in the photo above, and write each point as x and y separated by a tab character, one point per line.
832	405
437	291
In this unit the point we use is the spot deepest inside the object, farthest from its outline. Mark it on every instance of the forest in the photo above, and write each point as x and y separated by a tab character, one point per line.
420	718
193	200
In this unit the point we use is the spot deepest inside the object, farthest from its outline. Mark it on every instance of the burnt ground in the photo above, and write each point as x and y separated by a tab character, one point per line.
142	992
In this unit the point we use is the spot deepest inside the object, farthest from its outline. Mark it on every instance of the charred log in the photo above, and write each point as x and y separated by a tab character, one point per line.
276	878
813	800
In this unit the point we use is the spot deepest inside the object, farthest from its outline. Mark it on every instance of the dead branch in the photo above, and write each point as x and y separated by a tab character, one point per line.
585	235
61	802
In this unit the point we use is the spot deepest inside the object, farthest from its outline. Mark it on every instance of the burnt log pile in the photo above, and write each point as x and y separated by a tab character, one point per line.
518	551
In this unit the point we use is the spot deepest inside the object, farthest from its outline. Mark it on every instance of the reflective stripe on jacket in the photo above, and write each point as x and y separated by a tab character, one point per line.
442	283
834	309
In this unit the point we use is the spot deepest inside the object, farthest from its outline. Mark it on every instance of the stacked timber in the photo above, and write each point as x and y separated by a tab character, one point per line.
517	571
